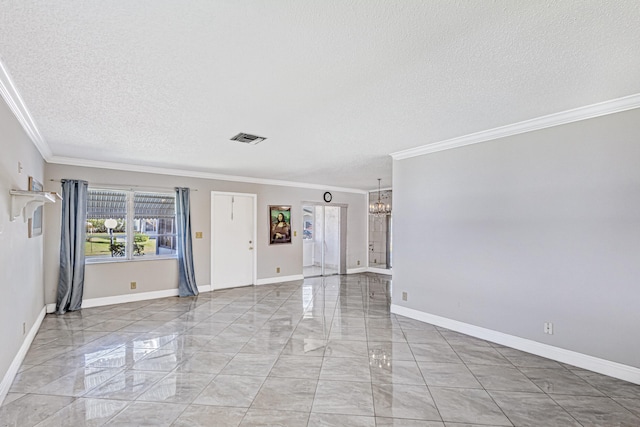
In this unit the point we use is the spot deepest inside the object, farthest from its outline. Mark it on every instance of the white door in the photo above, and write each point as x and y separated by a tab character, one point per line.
232	239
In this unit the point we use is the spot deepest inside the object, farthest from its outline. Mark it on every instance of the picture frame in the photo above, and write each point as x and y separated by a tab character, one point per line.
279	225
35	222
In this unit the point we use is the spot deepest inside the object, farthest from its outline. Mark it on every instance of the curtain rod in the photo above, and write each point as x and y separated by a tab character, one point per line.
126	186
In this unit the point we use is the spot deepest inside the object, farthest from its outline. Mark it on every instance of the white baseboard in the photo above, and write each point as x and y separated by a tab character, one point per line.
270	280
379	270
11	373
601	366
119	299
356	270
205	288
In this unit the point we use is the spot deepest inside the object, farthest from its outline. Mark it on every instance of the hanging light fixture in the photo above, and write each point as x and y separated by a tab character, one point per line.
379	208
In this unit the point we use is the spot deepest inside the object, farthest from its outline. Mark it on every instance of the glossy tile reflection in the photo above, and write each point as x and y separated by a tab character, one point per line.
85	412
318	352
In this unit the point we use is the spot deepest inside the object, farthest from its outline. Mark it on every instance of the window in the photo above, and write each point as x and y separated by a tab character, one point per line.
130	225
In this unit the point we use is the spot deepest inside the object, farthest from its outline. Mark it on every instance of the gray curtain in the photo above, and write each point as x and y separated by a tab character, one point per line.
187	286
72	237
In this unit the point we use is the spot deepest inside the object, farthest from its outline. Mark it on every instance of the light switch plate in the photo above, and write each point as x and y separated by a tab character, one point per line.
198	234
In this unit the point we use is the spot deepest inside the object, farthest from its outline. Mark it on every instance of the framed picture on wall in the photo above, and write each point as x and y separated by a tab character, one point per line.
35	222
279	224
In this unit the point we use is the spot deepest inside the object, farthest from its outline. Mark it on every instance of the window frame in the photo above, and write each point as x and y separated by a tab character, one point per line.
130	232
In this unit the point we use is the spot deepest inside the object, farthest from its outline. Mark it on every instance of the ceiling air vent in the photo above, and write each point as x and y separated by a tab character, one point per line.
247	138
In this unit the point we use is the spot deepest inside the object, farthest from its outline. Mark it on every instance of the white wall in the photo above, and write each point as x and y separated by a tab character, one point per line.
21	289
112	279
538	227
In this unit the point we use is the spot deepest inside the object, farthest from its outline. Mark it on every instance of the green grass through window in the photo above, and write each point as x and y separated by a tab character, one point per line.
98	244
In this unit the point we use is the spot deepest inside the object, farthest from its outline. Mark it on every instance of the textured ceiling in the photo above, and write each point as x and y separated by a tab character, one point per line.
335	85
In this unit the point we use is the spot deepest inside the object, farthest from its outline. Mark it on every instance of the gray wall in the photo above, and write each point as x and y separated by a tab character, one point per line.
538	227
113	279
21	296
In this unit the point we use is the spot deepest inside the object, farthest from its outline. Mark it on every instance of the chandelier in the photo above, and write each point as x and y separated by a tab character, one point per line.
379	208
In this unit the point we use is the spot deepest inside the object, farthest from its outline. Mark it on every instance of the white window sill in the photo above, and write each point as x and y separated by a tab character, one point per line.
110	260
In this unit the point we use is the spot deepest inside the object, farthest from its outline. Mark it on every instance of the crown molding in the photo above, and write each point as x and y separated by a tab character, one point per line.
13	99
17	105
577	114
71	161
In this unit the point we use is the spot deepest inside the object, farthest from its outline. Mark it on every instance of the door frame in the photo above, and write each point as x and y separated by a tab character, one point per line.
254	198
342	269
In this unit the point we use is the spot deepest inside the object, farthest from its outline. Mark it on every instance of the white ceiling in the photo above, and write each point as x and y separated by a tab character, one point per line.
334	85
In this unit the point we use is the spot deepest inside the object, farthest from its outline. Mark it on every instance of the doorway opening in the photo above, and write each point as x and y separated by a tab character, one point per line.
323	240
380	235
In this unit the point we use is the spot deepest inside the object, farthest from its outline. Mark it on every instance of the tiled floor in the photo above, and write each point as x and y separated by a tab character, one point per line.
316	270
323	352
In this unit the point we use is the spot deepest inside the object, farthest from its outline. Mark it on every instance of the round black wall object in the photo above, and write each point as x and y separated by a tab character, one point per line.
327	197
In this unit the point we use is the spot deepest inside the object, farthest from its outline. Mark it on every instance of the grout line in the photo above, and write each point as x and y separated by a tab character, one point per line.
252	316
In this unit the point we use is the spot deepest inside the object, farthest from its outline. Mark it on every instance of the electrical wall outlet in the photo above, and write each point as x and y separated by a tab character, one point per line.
358	262
548	328
295	233
277	269
19	167
404	296
134	285
24	328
